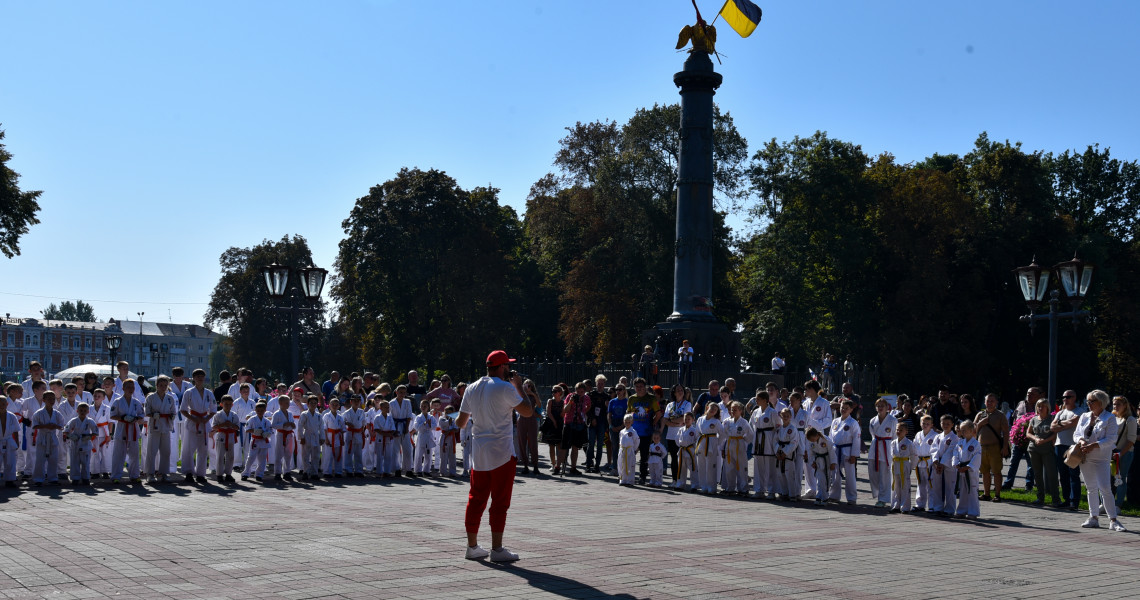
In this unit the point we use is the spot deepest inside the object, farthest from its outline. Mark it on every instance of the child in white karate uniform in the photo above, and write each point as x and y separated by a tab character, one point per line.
967	463
627	458
403	413
468	449
226	428
800	422
68	406
824	465
739	433
31	403
355	424
384	428
819	416
332	457
847	437
259	428
423	430
449	433
127	412
657	455
686	455
310	432
244	407
369	451
46	425
81	432
100	411
160	408
9	442
764	421
284	440
709	427
787	454
902	457
923	459
879	463
945	475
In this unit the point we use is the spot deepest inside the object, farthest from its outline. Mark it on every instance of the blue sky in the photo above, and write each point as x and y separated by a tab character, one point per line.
162	133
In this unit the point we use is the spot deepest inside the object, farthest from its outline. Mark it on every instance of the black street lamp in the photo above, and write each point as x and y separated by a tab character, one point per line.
157	353
307	285
1075	276
113	342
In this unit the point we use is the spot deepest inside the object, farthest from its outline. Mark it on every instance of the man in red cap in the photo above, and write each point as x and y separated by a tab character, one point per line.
490	403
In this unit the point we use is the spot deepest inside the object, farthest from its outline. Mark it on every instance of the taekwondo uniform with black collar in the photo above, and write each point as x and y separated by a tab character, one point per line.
924	468
736	454
942	484
402	415
968	454
879	458
902	461
787	442
764	422
708	452
847	437
687	458
800	421
822	454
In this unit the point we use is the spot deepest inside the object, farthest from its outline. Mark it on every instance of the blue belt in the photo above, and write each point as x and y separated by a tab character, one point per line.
839	448
401	426
25	436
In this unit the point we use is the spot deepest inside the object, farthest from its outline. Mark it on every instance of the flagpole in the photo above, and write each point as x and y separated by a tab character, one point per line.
719	11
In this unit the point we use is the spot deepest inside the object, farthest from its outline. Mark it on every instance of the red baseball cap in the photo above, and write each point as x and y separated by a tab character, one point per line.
299	389
497	358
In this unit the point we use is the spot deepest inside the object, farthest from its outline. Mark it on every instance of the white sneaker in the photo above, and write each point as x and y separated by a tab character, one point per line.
1116	526
476	553
1091	523
503	555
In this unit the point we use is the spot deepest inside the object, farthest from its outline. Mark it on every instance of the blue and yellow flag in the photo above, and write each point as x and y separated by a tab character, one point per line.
741	15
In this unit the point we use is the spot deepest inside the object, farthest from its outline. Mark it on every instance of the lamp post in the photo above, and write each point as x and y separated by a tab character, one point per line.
113	343
157	353
138	344
1075	276
307	285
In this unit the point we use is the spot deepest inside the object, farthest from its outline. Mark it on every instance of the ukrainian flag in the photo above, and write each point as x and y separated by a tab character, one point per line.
741	15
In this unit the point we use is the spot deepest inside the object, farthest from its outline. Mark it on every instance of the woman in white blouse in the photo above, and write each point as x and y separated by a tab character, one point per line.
1095	435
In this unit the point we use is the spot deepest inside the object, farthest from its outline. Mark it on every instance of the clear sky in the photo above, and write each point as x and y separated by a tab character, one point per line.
162	133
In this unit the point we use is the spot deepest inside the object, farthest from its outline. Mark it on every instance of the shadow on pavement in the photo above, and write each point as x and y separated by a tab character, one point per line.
557	585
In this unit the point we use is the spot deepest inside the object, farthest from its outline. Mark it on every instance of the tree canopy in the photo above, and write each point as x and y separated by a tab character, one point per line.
70	311
17	208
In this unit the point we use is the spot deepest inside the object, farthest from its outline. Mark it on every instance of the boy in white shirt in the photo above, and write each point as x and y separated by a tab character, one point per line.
656	461
225	426
847	437
423	428
902	452
627	459
259	428
81	431
310	432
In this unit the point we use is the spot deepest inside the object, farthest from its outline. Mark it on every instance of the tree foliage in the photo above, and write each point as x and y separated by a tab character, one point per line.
258	335
17	208
70	311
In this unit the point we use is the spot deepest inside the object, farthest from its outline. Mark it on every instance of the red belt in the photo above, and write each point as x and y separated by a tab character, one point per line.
106	440
356	430
880	441
335	435
198	426
285	433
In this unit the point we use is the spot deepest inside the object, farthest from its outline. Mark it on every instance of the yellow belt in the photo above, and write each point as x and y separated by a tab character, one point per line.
732	460
902	470
705	439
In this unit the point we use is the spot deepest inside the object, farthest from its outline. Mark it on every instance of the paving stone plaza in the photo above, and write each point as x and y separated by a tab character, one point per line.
580	537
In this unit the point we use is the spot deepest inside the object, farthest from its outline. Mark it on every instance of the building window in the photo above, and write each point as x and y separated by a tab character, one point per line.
87	344
64	343
36	340
11	339
27	339
11	361
62	363
99	344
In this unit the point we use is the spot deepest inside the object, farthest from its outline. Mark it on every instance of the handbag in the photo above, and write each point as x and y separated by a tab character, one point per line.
1074	456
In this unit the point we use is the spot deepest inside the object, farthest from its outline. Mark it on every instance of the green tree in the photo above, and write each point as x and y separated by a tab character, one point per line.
17	208
70	311
259	336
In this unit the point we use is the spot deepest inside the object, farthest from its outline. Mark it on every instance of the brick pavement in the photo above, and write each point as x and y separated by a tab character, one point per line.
581	537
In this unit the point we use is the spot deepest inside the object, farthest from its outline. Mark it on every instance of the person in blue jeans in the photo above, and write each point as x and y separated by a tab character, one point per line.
1064	422
685	364
615	415
596	424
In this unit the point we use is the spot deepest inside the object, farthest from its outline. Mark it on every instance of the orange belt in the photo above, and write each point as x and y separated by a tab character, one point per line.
356	430
106	440
335	435
198	426
132	428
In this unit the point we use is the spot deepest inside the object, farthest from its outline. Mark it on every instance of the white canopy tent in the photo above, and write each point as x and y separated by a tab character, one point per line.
99	370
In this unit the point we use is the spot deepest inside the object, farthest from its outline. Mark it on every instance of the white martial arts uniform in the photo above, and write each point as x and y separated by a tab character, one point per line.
356	426
284	442
28	407
799	421
902	460
178	389
764	422
657	455
9	444
68	411
824	465
739	433
47	445
384	428
259	428
468	450
687	458
627	456
879	458
332	461
449	433
226	441
402	415
708	452
942	485
424	428
128	415
14	410
847	437
787	442
310	432
968	454
160	412
101	451
196	437
924	468
81	432
369	450
245	409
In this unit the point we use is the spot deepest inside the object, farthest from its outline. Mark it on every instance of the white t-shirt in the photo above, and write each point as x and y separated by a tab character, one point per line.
685	354
490	403
777	363
675	409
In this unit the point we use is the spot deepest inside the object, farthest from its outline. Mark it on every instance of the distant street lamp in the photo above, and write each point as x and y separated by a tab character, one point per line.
158	352
1075	276
307	285
113	343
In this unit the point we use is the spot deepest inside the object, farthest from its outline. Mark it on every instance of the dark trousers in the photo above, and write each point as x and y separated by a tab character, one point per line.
674	466
1070	477
528	441
1019	453
596	442
643	452
684	373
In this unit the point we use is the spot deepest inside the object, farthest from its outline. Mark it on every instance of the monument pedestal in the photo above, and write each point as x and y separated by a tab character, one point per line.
713	342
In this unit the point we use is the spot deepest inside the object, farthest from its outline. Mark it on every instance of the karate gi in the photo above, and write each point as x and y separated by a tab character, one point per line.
902	458
28	407
332	460
739	433
687	458
226	441
259	428
968	453
47	445
942	484
384	429
101	450
627	458
160	411
356	425
657	455
9	444
196	441
708	452
68	411
310	432
764	421
369	449
468	450
449	433
924	468
402	415
284	441
424	428
127	414
799	421
178	389
81	432
822	453
244	409
847	437
879	458
787	442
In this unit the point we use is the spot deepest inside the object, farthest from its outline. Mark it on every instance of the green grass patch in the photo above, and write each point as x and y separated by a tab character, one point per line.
1017	494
